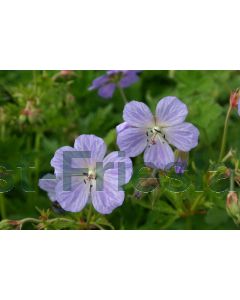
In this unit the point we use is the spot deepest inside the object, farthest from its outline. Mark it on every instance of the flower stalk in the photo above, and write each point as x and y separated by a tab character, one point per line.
122	94
232	181
224	137
89	215
38	137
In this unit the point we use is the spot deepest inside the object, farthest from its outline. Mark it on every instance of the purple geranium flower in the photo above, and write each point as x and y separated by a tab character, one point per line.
153	135
107	83
48	183
85	182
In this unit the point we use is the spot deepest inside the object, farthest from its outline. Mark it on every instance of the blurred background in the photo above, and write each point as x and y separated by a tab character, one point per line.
41	111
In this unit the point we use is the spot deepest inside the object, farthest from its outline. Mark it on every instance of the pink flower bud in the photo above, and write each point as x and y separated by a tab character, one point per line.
232	197
29	113
232	206
66	73
234	98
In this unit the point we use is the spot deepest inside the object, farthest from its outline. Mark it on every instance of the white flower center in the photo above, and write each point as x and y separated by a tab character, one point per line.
155	133
90	177
91	174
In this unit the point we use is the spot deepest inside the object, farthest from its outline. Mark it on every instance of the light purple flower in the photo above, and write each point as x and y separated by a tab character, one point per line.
84	184
48	183
153	135
107	83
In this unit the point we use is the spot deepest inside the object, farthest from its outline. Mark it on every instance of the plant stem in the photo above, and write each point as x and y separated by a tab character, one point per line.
223	145
154	172
227	156
2	198
2	131
2	206
89	216
37	221
122	94
37	148
232	181
35	86
196	202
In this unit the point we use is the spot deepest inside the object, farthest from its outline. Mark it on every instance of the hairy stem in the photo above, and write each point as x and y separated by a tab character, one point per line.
20	223
223	145
122	94
89	216
37	148
232	181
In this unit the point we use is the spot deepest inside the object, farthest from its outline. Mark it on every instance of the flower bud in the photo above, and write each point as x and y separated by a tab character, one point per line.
137	194
234	98
181	161
30	113
232	206
66	73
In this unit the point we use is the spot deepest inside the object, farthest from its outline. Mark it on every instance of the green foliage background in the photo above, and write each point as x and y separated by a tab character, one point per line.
65	109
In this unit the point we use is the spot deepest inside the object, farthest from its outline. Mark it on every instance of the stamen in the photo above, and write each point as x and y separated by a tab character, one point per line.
153	134
89	177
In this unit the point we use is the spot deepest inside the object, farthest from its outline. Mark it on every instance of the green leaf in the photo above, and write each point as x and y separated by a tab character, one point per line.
216	216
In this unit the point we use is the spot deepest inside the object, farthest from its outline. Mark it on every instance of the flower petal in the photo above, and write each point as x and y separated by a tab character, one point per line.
132	140
113	72
159	155
107	90
75	199
138	114
48	183
122	126
129	78
170	111
107	200
57	160
93	144
98	82
122	166
183	136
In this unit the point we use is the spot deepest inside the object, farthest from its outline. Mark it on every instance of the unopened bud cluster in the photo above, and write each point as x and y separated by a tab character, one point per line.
30	113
